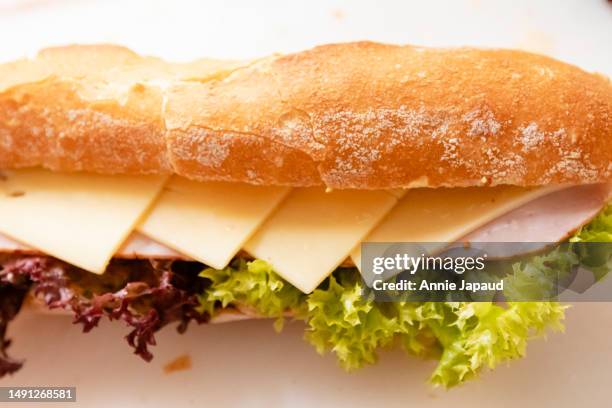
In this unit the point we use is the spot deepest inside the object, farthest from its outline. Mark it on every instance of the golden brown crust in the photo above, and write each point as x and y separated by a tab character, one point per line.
66	116
358	115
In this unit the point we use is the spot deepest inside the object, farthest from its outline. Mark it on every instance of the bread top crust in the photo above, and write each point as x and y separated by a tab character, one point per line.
357	115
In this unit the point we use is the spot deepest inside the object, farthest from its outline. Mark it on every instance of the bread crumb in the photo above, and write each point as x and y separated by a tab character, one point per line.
181	363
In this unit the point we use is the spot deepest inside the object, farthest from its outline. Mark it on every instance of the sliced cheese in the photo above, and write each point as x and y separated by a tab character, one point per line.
210	221
313	231
136	246
80	218
446	214
8	245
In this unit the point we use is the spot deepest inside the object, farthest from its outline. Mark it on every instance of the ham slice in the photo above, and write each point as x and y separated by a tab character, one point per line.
139	246
550	218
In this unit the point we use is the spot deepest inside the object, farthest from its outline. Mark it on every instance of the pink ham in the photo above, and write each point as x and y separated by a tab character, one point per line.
139	246
551	218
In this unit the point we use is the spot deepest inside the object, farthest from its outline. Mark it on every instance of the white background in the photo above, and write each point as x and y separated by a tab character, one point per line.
247	364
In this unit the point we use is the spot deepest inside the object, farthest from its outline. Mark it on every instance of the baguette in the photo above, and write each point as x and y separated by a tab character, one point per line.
357	115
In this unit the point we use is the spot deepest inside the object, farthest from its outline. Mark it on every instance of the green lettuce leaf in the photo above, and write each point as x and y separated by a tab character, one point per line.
597	258
251	284
598	230
538	277
466	337
485	334
340	320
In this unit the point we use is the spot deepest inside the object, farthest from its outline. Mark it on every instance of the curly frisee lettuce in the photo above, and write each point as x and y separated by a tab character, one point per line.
598	230
465	336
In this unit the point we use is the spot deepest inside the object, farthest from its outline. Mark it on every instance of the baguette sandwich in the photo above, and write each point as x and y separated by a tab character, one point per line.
158	193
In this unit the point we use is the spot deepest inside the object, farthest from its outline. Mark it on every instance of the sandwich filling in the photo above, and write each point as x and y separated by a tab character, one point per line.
148	294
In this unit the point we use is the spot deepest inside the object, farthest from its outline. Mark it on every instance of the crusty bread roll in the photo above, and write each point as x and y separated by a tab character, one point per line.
358	115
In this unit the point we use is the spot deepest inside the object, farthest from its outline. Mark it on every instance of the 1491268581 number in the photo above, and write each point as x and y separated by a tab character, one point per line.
66	394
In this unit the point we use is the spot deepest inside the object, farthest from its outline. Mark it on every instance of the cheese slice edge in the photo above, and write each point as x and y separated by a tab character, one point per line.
81	218
312	232
209	221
